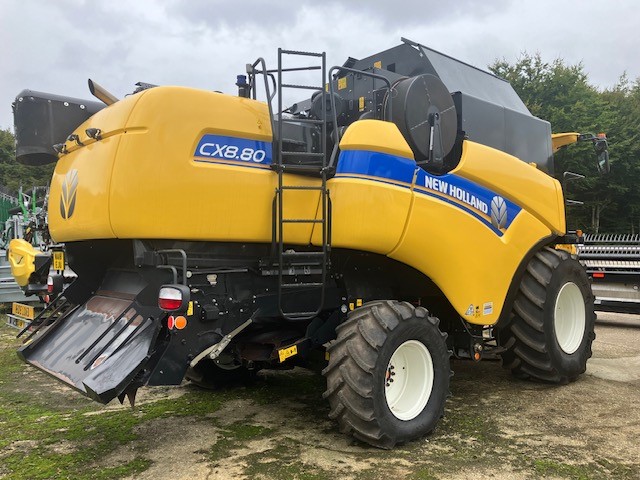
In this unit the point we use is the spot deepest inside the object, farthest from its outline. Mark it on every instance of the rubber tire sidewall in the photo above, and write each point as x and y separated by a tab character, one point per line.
571	365
426	421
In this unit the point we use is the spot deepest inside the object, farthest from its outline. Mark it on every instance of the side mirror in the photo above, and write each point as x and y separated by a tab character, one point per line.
602	151
601	147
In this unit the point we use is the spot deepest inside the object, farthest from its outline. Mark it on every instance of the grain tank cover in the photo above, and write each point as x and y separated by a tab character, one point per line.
489	110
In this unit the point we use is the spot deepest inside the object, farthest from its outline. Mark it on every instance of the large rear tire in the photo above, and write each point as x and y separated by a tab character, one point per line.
550	332
388	373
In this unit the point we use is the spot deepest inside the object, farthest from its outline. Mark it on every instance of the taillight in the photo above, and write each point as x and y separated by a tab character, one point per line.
173	297
55	284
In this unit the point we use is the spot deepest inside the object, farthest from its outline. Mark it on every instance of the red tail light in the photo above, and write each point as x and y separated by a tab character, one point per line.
173	297
50	284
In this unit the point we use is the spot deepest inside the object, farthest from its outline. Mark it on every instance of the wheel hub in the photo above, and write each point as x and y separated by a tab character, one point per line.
409	380
569	319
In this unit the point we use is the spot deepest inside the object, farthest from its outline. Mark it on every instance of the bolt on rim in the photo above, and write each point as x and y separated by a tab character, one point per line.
569	318
409	380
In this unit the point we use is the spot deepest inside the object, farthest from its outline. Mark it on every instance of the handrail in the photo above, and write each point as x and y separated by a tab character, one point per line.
336	130
265	73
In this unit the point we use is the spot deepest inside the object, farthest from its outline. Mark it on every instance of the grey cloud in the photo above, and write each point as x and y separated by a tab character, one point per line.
283	13
55	45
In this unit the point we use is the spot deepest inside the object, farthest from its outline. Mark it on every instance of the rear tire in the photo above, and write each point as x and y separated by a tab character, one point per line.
388	373
550	332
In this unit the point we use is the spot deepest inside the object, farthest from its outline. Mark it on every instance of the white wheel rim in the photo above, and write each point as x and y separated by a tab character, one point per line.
409	380
569	319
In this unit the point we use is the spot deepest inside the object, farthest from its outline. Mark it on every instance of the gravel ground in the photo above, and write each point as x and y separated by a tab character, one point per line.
495	426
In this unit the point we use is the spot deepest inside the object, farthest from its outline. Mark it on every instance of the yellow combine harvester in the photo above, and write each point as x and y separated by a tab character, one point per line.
404	212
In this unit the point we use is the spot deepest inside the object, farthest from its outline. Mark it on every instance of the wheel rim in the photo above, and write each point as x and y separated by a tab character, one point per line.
569	318
409	380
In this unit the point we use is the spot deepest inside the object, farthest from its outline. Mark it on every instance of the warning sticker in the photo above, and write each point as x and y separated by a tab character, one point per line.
469	310
285	353
487	308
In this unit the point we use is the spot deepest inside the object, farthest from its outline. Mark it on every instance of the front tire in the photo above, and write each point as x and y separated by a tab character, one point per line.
388	373
550	332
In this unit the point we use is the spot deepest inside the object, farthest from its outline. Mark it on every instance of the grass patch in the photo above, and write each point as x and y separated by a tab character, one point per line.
550	467
283	462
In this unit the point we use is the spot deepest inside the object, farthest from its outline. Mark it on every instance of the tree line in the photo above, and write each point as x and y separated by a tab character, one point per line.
561	94
553	91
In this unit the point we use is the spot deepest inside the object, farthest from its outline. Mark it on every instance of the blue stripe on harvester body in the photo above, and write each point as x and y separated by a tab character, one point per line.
457	191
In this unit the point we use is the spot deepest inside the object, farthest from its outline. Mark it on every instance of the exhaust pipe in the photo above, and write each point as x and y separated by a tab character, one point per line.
101	94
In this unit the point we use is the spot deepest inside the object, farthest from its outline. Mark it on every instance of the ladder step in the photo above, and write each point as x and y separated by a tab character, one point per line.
302	220
304	54
302	254
305	154
302	187
302	120
301	169
302	285
300	315
303	87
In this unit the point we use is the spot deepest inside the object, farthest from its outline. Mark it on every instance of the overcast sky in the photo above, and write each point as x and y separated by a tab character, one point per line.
55	45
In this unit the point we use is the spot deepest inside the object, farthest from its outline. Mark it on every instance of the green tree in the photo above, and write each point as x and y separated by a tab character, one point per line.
14	175
562	94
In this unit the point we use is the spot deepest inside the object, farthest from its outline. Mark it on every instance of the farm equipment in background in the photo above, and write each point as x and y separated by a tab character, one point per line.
613	264
216	235
25	218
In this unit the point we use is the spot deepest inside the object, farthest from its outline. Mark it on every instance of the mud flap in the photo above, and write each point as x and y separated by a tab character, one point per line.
98	348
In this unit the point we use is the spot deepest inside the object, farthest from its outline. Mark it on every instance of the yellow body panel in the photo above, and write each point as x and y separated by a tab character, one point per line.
376	136
93	164
21	259
369	215
537	192
145	182
559	140
469	263
366	215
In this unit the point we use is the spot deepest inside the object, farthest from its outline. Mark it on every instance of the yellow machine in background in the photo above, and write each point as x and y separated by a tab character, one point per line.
213	236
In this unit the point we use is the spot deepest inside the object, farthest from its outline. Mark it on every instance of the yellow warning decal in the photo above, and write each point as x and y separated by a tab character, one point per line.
358	302
351	306
342	83
327	356
190	309
287	352
58	260
361	104
378	64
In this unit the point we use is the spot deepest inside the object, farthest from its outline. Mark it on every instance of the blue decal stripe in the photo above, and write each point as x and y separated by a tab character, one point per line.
461	206
457	191
428	193
376	164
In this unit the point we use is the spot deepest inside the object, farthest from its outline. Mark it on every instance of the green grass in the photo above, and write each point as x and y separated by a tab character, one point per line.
48	433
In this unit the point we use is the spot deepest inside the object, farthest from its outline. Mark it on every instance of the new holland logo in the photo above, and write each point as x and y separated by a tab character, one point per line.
498	212
68	196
